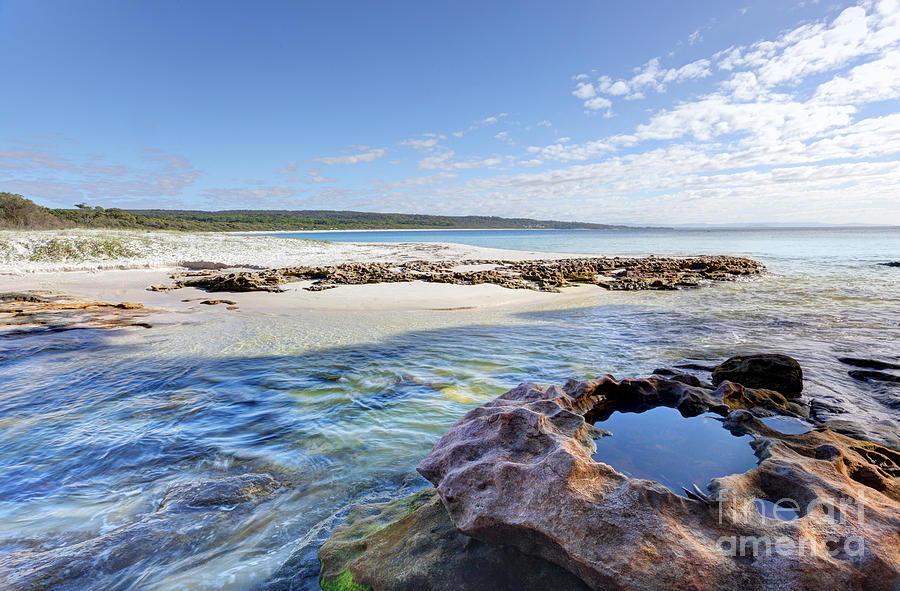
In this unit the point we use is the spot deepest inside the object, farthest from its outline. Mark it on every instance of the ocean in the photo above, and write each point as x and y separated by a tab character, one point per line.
96	425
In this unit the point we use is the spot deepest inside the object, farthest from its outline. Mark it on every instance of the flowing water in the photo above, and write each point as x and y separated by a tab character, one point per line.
95	426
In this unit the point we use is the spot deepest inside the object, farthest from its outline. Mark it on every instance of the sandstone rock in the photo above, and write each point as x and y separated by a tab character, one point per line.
518	471
772	372
736	396
42	311
543	275
411	545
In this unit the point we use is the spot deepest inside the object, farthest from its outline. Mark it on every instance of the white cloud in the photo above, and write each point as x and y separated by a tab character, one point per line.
445	161
544	123
649	77
618	88
289	168
424	144
368	156
430	180
584	90
878	80
691	71
598	102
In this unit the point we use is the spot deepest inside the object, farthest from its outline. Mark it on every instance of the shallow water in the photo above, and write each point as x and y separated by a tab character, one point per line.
95	426
659	444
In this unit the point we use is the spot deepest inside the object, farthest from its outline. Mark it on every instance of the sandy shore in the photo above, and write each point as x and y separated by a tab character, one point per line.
153	256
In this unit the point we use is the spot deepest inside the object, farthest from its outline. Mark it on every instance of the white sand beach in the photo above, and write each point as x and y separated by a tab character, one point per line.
77	262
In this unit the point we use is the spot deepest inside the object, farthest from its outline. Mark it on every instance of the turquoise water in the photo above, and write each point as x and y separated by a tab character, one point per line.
95	426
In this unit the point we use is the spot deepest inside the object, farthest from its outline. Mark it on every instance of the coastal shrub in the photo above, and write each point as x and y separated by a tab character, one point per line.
18	213
82	248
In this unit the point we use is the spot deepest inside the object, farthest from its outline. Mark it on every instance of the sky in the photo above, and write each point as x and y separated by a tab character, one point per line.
769	111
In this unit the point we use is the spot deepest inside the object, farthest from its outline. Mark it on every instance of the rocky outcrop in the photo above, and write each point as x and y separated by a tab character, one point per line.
768	371
544	275
411	545
188	515
518	471
47	311
890	264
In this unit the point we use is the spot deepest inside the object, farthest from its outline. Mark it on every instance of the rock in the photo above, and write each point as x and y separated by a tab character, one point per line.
695	366
42	311
189	515
868	363
219	493
769	371
876	376
411	545
542	275
890	264
688	379
736	396
518	471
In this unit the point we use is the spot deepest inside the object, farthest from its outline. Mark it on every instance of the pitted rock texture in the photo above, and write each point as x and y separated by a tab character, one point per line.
636	273
518	471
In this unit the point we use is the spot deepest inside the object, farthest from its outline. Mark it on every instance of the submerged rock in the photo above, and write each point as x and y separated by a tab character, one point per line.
875	376
769	371
411	545
46	311
189	514
518	471
869	363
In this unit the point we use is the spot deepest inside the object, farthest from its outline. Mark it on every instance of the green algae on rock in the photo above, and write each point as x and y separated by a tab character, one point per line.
411	545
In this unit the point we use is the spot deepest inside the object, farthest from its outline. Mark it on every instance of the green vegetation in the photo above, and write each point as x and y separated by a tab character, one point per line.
342	582
16	212
82	248
246	220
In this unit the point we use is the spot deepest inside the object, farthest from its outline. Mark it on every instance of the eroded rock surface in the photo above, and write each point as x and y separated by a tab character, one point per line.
47	311
411	545
518	471
544	275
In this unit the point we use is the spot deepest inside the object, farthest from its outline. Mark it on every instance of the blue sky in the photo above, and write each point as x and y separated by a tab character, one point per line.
638	112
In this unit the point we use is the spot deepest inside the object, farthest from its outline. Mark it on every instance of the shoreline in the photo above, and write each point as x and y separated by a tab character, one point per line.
153	258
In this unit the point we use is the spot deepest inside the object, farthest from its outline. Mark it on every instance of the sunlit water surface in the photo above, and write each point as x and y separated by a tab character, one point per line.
94	427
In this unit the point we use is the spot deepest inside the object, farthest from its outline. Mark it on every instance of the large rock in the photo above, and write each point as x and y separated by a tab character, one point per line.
411	545
518	471
771	372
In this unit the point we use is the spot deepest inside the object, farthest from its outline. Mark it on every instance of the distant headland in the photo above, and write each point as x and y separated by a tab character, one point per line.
17	212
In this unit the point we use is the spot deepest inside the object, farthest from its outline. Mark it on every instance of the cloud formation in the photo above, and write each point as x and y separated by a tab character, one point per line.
369	155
